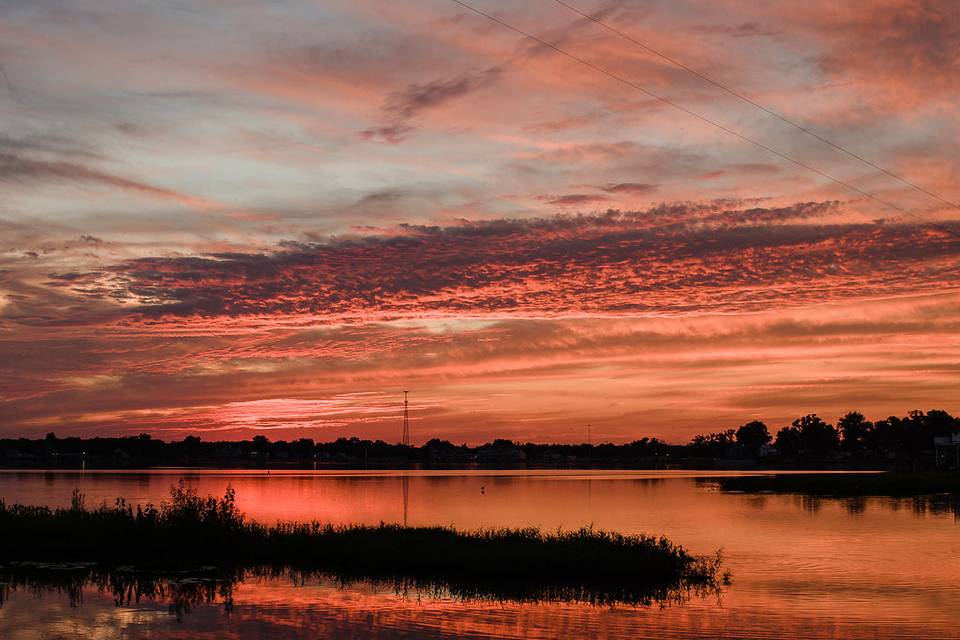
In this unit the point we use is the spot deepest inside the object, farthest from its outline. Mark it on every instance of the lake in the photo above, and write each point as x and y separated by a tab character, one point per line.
801	566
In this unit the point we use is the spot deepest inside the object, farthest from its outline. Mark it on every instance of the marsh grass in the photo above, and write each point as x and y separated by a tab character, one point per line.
189	531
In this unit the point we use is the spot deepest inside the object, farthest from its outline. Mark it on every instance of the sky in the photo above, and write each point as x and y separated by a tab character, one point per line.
235	218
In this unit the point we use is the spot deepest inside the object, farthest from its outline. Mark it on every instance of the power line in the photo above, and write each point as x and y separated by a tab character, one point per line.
700	117
756	104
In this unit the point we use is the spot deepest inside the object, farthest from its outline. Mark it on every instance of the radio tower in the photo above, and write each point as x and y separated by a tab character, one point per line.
405	437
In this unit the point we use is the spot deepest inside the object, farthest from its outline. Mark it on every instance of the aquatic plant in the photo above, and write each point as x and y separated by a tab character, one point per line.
521	564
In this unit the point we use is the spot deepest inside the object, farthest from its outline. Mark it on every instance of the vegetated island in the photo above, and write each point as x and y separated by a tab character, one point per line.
917	441
131	550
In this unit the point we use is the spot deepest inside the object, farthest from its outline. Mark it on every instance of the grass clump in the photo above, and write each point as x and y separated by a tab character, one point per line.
193	531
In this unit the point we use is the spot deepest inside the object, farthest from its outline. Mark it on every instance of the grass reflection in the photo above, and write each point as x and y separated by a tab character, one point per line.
152	552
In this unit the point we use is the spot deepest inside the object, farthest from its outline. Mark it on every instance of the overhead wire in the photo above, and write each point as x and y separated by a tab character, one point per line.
724	87
701	117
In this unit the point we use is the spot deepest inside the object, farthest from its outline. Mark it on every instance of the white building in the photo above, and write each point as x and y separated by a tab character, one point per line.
948	451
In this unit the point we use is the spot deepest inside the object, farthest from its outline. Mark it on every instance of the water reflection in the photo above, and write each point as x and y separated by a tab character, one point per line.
406	498
265	608
183	591
180	591
803	567
920	505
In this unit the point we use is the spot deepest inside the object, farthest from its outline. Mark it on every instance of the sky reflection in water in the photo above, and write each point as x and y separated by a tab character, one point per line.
806	567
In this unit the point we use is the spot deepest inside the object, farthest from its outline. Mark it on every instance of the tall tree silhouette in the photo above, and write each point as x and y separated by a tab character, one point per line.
752	436
855	431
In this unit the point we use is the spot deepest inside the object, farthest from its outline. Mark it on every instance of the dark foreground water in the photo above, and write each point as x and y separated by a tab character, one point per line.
806	568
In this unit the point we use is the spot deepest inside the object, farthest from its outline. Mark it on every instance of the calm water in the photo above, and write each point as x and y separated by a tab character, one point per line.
878	568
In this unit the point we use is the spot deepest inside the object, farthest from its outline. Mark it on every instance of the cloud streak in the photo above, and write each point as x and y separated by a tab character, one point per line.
15	168
676	259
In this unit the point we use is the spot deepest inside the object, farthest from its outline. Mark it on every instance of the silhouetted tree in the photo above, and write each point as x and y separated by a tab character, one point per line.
855	431
191	446
304	447
260	444
752	436
942	423
439	446
887	435
713	444
918	435
788	441
816	436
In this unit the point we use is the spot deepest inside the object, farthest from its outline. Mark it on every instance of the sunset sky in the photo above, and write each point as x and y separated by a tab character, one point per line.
244	217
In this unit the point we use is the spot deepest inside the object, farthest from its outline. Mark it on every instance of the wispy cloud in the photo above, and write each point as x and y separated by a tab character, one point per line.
575	199
15	168
631	188
403	106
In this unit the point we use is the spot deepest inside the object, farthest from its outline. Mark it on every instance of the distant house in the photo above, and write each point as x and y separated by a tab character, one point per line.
947	450
767	450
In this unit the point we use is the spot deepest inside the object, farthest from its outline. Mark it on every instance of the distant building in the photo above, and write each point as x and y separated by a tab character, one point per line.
947	451
766	450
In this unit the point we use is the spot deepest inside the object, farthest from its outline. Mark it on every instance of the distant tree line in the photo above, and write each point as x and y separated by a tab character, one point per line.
900	439
853	439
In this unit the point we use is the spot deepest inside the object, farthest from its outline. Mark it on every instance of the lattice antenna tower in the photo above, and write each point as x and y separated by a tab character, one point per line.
405	436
